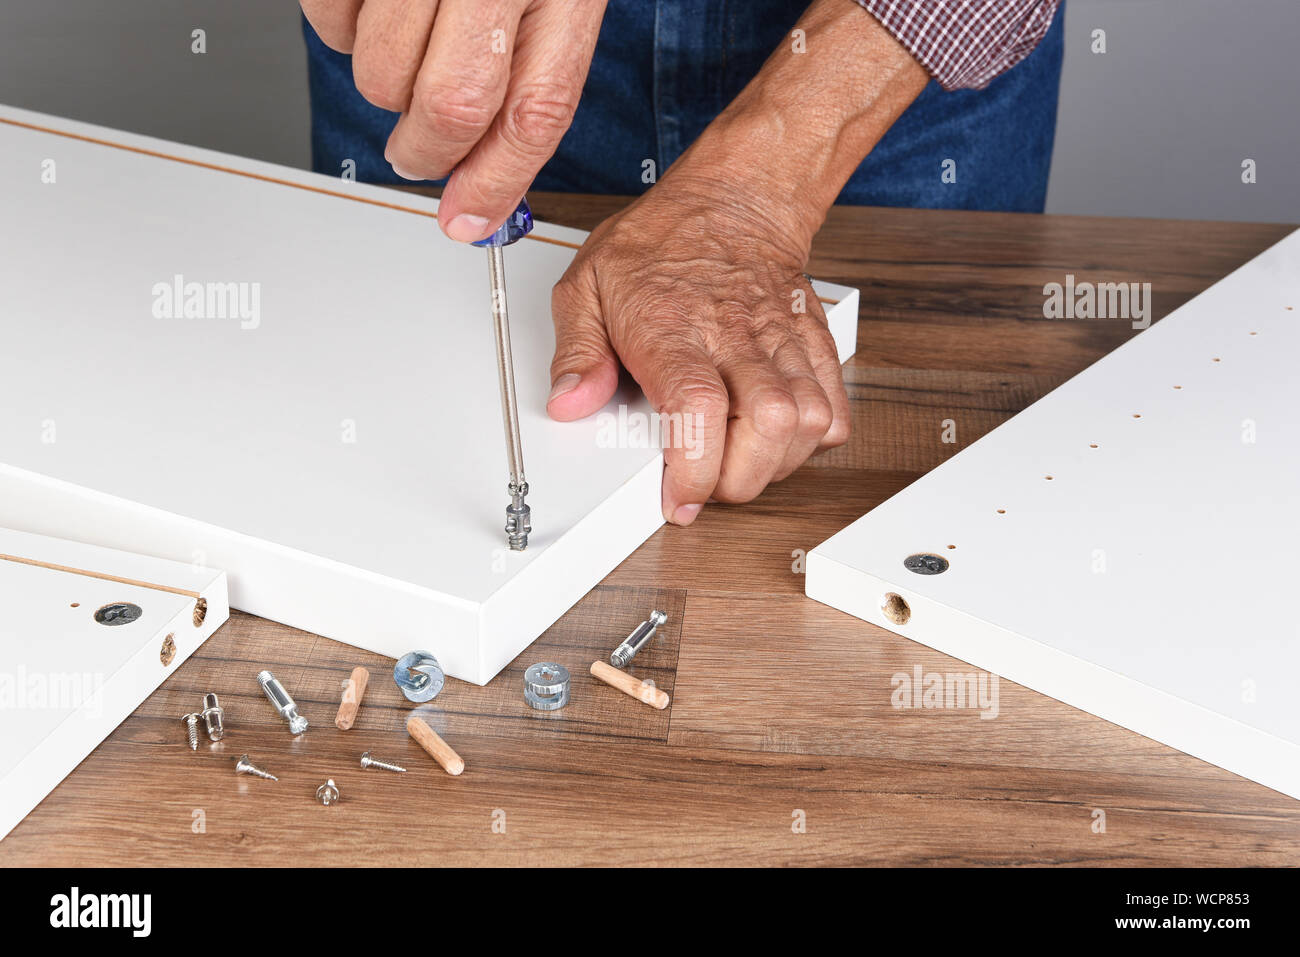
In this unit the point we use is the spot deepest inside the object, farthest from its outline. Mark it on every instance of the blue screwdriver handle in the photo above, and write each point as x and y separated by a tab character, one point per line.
518	225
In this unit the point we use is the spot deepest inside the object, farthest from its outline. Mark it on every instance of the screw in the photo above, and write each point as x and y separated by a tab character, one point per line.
368	762
192	729
212	717
327	793
283	703
245	766
634	642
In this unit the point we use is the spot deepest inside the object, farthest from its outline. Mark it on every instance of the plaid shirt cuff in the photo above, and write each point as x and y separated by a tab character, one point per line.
965	43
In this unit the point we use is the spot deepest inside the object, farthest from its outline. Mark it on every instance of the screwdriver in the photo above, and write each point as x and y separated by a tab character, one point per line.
518	514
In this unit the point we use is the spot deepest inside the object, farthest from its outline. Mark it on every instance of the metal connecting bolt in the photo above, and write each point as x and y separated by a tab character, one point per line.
283	703
634	642
368	762
192	729
245	766
213	717
327	793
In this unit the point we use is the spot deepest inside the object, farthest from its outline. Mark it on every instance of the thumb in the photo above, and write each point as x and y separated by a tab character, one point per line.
584	372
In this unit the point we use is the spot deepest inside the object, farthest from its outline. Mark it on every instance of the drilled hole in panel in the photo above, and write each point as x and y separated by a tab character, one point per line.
200	611
896	608
168	651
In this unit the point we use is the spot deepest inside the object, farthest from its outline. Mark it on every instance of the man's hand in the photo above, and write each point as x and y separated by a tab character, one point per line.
698	287
707	306
487	87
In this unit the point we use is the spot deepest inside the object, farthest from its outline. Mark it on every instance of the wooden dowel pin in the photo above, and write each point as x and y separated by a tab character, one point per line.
438	749
624	682
352	699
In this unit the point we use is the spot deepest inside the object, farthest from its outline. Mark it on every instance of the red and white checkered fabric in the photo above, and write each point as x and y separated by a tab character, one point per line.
965	43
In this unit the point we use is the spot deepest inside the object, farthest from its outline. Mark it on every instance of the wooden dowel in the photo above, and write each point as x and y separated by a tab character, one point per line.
438	749
352	698
624	682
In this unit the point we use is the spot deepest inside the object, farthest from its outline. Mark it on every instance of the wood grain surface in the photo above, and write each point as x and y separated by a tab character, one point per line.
781	744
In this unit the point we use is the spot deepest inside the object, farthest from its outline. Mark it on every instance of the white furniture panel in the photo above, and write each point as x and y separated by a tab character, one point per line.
338	449
1129	543
66	680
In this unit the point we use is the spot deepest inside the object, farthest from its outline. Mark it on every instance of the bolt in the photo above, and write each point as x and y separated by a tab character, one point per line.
245	766
212	717
283	703
368	762
634	642
192	729
327	793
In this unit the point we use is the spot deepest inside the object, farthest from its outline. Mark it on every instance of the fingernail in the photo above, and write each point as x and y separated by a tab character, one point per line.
404	174
466	228
565	383
685	514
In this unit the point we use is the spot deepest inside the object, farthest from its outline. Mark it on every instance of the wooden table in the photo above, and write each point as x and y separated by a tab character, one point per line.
781	745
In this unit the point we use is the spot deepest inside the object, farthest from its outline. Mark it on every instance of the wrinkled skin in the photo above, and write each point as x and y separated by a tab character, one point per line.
486	88
706	305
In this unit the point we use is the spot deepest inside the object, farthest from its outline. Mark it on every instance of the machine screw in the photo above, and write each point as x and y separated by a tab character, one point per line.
368	762
634	642
245	766
327	793
192	729
283	702
212	717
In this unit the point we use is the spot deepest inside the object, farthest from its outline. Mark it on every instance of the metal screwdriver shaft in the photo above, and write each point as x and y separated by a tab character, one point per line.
518	514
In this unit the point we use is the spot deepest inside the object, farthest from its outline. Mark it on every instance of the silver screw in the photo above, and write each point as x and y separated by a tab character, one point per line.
368	762
283	702
245	766
327	793
212	717
192	729
634	642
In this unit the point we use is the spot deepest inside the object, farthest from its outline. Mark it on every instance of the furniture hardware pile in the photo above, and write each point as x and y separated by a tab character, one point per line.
420	678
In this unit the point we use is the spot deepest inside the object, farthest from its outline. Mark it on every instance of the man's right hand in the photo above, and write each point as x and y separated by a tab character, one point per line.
485	87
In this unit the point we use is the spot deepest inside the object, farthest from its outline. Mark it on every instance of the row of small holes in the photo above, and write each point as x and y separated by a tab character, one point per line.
1136	415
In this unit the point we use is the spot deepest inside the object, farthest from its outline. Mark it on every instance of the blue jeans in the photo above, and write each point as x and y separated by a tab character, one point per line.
663	69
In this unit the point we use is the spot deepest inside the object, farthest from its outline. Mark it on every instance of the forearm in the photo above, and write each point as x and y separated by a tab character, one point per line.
802	126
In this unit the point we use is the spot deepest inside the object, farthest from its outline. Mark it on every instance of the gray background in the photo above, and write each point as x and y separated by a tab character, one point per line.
1156	126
